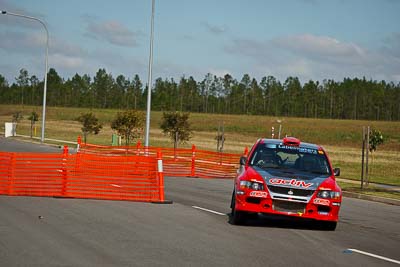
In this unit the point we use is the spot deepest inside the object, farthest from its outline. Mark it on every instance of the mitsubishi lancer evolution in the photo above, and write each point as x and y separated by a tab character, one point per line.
287	177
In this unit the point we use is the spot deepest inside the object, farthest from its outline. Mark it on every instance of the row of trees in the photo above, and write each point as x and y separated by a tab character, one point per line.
348	99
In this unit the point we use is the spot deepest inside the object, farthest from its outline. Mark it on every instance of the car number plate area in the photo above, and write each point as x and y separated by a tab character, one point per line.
288	206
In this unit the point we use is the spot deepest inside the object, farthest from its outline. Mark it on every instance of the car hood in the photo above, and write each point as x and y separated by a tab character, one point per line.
284	178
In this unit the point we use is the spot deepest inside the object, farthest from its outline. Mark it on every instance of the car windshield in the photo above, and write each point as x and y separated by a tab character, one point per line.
290	158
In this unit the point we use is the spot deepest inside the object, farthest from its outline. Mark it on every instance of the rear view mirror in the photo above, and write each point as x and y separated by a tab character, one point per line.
336	171
243	160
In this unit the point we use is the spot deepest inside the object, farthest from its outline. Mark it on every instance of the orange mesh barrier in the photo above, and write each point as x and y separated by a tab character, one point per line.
213	164
97	176
32	174
179	162
114	177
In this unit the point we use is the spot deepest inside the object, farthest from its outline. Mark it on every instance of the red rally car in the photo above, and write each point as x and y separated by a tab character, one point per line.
287	177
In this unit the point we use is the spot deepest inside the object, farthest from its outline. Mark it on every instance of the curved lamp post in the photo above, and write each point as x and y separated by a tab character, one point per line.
45	76
149	81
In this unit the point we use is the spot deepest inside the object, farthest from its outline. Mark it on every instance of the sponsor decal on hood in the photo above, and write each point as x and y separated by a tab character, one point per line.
291	182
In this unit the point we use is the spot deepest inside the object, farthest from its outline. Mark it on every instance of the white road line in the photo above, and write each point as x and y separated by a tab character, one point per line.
373	255
212	211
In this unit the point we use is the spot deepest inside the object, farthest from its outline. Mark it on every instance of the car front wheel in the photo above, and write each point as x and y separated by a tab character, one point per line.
237	217
329	226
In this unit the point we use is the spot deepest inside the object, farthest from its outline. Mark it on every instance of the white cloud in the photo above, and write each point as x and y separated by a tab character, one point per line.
318	57
60	61
254	49
301	67
215	29
64	56
35	42
17	42
396	77
321	47
60	46
112	32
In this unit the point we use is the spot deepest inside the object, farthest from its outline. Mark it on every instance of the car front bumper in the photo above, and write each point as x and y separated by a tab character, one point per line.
327	210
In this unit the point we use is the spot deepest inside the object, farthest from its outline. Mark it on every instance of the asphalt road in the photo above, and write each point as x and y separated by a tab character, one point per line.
12	145
193	231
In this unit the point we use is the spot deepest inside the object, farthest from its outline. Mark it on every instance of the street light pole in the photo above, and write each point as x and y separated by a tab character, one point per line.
149	81
46	67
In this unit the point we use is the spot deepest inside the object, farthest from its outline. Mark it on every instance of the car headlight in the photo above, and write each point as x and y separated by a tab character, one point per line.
251	185
328	194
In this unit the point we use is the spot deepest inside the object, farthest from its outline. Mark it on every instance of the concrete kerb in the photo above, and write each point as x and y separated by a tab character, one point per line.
378	185
385	200
390	201
36	140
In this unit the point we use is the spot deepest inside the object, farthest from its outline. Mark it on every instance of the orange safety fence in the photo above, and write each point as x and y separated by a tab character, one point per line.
113	177
181	162
33	174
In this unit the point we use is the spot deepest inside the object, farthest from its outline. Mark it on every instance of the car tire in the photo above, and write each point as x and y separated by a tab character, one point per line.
329	226
237	217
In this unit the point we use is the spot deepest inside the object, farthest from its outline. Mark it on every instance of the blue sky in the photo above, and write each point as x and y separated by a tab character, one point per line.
310	39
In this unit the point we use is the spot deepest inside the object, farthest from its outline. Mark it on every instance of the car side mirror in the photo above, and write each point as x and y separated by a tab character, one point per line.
336	171
243	160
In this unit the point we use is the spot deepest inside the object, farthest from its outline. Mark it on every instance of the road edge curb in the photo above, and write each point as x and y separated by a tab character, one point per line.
385	200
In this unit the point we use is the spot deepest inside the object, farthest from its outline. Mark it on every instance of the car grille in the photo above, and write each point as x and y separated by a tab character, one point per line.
285	191
287	206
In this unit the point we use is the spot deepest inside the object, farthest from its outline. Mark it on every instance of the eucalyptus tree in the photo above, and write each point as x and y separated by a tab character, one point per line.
292	100
119	92
244	88
205	90
4	90
23	82
228	82
310	99
54	88
80	88
35	90
102	84
137	92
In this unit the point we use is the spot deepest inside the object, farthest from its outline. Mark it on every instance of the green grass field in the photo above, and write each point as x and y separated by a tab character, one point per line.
340	138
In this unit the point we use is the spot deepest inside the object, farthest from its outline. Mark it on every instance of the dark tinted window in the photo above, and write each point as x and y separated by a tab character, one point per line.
290	157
